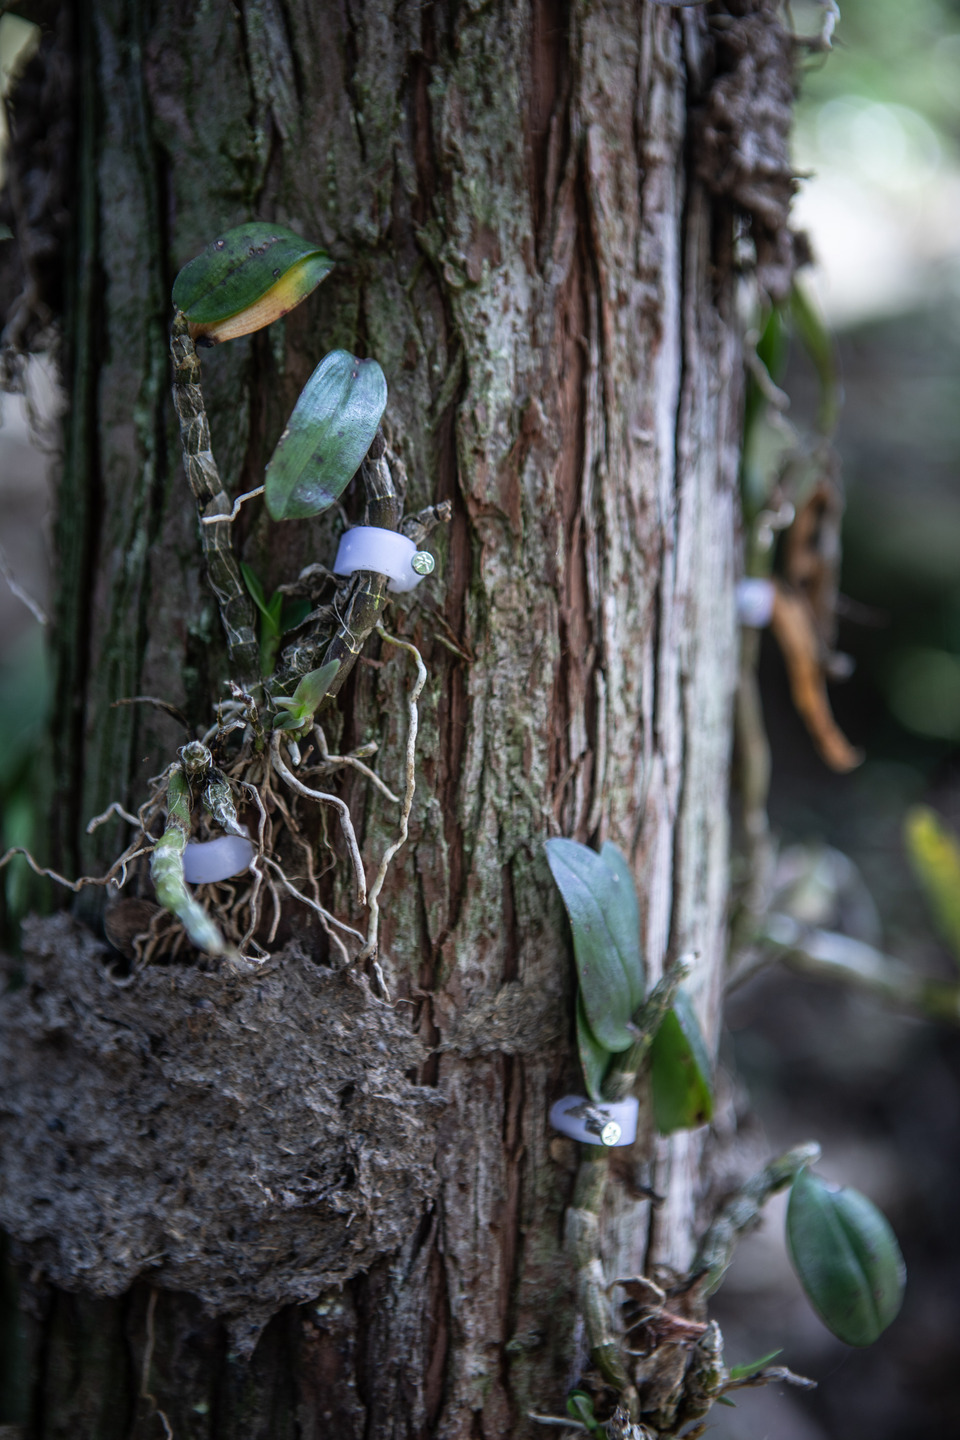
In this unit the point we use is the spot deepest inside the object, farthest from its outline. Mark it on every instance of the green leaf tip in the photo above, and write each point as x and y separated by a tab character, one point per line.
246	279
846	1258
601	903
580	1408
305	700
752	1367
327	436
680	1071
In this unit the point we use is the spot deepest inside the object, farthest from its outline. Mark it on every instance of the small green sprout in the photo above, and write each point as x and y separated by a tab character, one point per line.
580	1407
301	706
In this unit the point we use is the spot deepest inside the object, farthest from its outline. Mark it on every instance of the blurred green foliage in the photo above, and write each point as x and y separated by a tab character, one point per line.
934	852
892	52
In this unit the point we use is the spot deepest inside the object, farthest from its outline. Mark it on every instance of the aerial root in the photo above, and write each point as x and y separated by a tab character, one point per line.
119	867
329	922
369	951
240	907
331	762
346	824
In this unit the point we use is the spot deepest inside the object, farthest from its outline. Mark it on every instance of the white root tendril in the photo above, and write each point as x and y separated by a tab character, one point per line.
353	761
369	951
119	867
242	909
34	606
329	922
346	824
114	809
240	500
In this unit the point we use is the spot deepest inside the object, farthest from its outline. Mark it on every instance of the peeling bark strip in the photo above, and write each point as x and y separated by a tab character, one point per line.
513	194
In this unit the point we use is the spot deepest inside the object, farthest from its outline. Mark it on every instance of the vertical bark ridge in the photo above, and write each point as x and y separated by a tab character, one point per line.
75	526
132	388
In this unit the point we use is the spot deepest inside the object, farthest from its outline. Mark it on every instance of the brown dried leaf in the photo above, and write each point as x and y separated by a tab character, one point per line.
795	629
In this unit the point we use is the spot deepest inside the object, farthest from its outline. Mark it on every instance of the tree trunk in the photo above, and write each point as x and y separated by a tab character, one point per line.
533	209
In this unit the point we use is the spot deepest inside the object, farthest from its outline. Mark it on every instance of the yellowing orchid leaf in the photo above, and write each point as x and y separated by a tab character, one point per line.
246	279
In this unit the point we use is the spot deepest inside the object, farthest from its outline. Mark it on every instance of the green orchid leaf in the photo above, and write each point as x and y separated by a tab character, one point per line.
623	920
740	1372
300	706
293	614
249	277
314	686
327	436
580	1407
821	347
594	1057
270	618
274	611
254	586
602	906
289	720
680	1071
846	1257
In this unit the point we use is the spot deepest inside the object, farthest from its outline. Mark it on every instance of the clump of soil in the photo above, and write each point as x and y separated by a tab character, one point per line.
252	1139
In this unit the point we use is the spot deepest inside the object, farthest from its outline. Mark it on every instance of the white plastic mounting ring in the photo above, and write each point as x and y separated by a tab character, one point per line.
755	602
386	552
207	861
596	1123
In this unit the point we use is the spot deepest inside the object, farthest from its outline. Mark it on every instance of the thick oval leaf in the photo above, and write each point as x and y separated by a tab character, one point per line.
594	1057
846	1257
602	905
623	921
680	1071
326	437
246	279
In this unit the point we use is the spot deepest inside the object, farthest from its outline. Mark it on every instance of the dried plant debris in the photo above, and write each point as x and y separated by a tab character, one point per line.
743	130
251	1139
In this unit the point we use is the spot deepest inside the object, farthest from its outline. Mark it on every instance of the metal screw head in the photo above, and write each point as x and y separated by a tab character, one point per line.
610	1133
423	562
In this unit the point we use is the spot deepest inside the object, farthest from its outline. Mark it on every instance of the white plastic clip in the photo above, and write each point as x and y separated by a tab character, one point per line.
755	602
386	552
207	861
606	1122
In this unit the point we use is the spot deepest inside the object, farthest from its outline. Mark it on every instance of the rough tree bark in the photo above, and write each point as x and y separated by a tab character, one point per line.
536	209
